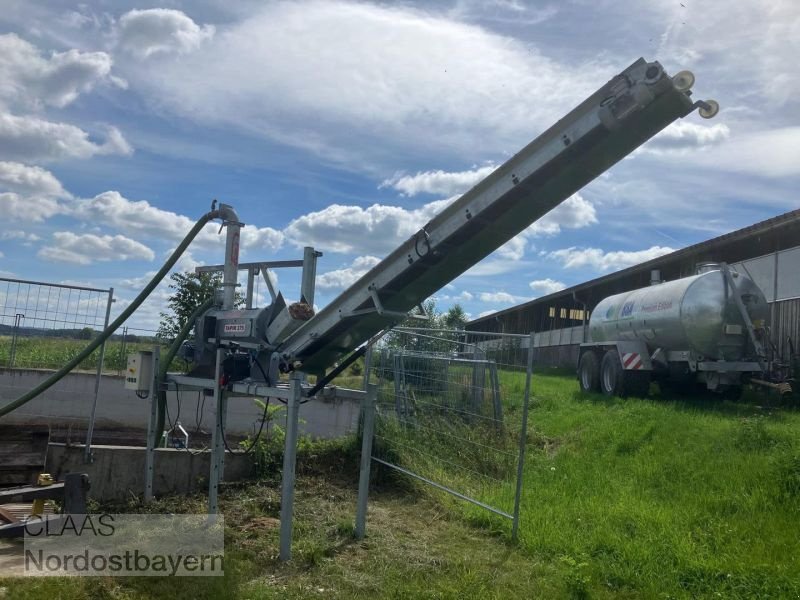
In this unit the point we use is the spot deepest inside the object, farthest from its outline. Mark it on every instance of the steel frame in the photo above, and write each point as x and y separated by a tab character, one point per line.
292	393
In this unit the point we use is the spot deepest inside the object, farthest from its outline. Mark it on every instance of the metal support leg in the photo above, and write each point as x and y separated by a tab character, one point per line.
289	461
309	276
367	436
523	436
496	399
248	299
367	366
217	446
152	435
87	449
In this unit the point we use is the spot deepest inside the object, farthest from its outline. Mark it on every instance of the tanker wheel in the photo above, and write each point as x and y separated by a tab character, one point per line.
612	375
616	381
589	372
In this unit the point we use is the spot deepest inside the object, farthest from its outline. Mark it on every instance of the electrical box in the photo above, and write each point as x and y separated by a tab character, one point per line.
139	373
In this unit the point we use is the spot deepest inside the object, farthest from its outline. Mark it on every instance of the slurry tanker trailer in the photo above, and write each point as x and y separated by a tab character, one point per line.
706	331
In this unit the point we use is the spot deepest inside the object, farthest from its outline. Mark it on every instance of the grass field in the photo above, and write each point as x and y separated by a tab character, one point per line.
636	498
54	353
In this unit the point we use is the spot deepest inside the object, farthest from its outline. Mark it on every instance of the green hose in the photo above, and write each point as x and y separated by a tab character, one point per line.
172	351
118	321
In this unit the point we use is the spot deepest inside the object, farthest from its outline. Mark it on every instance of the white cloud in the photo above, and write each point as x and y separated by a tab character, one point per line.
597	259
343	278
544	287
28	78
419	81
259	238
376	229
709	33
771	153
16	207
26	179
486	313
464	296
84	249
142	218
438	182
686	134
574	213
500	297
19	235
160	31
29	138
379	228
513	249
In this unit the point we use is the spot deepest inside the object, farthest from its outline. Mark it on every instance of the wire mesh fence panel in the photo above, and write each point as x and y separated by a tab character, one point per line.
449	410
43	325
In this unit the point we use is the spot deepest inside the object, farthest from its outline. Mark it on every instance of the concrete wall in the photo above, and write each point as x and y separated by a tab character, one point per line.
70	402
117	472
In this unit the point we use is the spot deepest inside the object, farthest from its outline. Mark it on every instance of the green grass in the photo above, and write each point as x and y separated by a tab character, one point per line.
649	497
664	497
54	353
636	498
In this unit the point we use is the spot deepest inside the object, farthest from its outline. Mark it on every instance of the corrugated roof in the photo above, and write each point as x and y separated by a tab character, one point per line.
757	229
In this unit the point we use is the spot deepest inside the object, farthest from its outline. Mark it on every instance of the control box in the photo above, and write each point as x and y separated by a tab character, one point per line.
139	372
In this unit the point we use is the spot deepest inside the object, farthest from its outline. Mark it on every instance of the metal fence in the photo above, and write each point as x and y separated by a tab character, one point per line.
451	411
43	326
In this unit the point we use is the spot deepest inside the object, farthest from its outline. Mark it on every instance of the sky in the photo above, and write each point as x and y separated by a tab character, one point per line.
347	125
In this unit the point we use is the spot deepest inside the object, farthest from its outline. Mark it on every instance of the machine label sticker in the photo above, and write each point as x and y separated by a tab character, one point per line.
234	328
627	310
657	306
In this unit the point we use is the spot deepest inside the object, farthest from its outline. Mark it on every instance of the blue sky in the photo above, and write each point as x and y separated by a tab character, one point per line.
347	125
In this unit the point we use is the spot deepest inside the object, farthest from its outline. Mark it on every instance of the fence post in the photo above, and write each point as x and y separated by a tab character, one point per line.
367	365
289	462
87	449
12	355
523	438
123	358
217	443
152	434
367	436
478	380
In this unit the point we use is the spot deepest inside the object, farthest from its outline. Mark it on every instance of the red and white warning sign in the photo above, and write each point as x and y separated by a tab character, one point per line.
632	361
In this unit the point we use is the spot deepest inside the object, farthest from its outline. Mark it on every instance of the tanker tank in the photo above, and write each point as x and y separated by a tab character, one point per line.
696	313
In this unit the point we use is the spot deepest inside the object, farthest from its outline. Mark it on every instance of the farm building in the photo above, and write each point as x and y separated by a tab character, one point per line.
769	252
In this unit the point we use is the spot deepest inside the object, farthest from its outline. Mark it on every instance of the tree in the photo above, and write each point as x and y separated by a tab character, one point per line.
189	290
455	318
86	333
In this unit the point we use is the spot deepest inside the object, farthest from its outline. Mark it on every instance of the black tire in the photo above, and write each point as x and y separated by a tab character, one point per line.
611	374
616	381
589	372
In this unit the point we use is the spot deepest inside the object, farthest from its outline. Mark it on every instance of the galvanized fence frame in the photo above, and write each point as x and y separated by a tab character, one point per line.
483	345
53	306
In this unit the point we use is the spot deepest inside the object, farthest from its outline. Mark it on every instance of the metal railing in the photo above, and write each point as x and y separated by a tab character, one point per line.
43	325
451	411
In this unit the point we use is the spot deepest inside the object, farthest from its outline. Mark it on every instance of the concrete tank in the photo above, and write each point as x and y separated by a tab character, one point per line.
695	313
